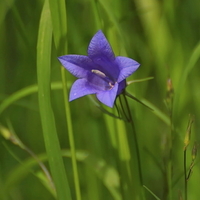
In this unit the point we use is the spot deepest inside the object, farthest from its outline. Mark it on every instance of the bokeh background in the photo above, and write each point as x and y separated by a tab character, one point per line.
162	35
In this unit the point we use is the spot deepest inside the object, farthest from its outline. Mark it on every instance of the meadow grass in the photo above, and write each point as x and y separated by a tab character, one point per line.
55	149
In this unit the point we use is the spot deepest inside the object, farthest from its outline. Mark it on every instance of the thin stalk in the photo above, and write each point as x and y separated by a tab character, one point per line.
194	151
42	166
137	150
124	161
169	178
71	136
185	171
169	104
130	119
123	110
169	164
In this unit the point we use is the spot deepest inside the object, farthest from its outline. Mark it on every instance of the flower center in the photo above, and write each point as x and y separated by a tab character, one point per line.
110	84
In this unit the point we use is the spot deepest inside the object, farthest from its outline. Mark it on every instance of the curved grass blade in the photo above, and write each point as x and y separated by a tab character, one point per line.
105	172
134	98
191	63
23	93
58	85
20	171
157	112
9	134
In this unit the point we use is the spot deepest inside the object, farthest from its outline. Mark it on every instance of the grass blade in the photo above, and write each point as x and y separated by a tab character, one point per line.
151	192
59	22
46	112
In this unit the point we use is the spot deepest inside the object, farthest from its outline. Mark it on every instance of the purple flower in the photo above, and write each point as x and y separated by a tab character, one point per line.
100	72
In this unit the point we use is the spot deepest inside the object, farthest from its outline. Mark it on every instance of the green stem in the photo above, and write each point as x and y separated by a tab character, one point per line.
131	142
169	164
130	119
169	180
71	136
185	171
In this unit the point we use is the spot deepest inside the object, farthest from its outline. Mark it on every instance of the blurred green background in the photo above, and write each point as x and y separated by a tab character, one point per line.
162	35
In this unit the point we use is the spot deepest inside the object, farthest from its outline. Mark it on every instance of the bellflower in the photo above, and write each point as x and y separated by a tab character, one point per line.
100	72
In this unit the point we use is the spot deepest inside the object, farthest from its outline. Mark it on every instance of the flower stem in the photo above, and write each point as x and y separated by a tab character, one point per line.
130	119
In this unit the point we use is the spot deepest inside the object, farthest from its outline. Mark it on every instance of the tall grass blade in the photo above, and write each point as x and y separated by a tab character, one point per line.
59	22
46	112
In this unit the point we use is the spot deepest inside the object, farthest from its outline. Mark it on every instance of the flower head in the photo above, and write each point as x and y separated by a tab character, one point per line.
100	72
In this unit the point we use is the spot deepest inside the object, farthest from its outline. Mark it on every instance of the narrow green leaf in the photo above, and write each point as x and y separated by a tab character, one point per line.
59	22
46	112
134	98
139	80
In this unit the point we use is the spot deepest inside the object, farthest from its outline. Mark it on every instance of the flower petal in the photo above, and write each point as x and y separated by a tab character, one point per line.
127	67
102	55
77	65
108	97
99	47
80	88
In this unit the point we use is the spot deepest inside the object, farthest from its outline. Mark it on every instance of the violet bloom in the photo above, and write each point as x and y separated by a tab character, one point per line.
100	72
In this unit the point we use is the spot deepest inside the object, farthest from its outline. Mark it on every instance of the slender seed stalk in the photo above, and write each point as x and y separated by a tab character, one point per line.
185	171
42	166
169	104
169	173
169	162
186	143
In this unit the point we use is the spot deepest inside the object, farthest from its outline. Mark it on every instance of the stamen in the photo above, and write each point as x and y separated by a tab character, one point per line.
111	85
99	73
